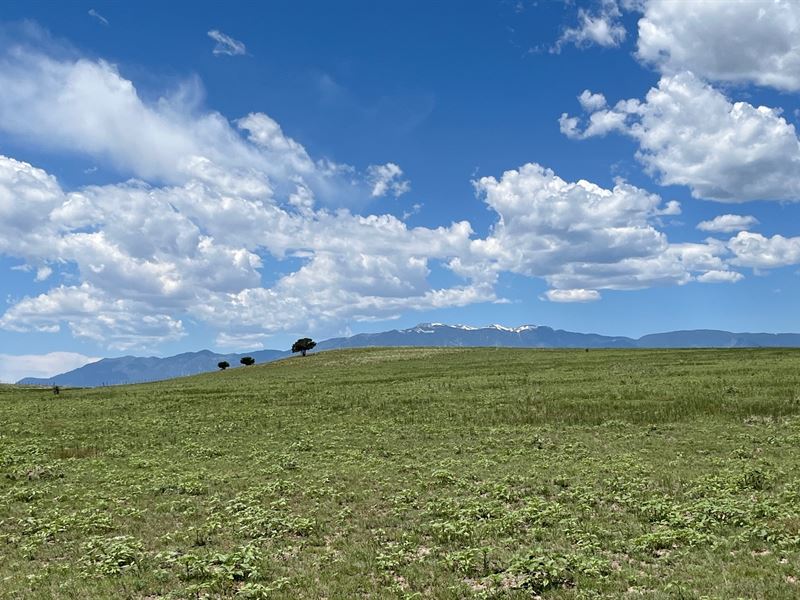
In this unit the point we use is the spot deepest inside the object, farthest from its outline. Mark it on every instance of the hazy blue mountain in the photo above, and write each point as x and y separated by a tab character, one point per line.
438	334
712	338
137	369
133	369
532	336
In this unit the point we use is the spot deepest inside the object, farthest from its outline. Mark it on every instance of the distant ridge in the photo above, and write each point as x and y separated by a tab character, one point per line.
133	369
439	334
139	369
712	338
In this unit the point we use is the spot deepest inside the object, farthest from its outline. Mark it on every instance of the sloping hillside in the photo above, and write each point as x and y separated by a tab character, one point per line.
133	369
412	472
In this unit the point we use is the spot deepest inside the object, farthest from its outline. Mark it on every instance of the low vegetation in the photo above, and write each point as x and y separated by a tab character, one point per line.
412	473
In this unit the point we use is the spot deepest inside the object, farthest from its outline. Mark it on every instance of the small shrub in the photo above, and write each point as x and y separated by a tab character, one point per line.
111	556
754	478
539	573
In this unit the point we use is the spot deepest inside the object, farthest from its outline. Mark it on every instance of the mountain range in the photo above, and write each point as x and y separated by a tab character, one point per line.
135	369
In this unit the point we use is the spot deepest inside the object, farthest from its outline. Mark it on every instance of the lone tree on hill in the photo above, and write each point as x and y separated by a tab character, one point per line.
303	345
247	361
223	365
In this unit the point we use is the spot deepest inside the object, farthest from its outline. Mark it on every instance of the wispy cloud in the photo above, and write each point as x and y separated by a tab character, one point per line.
602	28
579	295
15	367
226	44
98	16
414	210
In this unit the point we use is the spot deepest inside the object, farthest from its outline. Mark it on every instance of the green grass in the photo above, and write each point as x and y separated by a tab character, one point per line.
413	473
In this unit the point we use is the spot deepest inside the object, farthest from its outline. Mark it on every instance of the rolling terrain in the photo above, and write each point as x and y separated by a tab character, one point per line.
413	473
133	369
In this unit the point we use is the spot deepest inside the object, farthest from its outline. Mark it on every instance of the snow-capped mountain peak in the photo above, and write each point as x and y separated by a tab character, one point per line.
519	329
429	327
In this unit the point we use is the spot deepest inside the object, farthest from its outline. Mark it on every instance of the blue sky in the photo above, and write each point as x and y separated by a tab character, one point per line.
235	176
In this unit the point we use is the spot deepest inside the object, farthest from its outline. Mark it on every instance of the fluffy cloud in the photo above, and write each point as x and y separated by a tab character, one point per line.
90	313
601	27
581	237
737	41
728	223
760	252
720	277
150	257
14	367
387	178
27	196
691	134
592	102
335	288
87	107
233	225
572	295
147	255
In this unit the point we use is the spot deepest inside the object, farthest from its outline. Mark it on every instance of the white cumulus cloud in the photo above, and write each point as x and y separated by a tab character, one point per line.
739	41
728	223
148	256
761	252
580	236
691	134
387	179
720	277
234	225
83	106
591	102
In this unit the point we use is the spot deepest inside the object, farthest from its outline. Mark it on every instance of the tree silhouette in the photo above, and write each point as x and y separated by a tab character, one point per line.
223	365
303	345
247	361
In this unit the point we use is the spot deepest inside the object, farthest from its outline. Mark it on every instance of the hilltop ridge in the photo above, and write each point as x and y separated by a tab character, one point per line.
133	369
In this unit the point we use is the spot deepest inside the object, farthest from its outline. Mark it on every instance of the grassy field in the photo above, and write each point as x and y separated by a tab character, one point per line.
413	473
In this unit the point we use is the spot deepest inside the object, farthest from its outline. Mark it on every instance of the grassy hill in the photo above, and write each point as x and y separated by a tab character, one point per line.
413	473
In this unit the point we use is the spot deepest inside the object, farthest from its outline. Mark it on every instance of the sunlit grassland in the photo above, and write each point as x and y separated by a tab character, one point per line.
413	473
